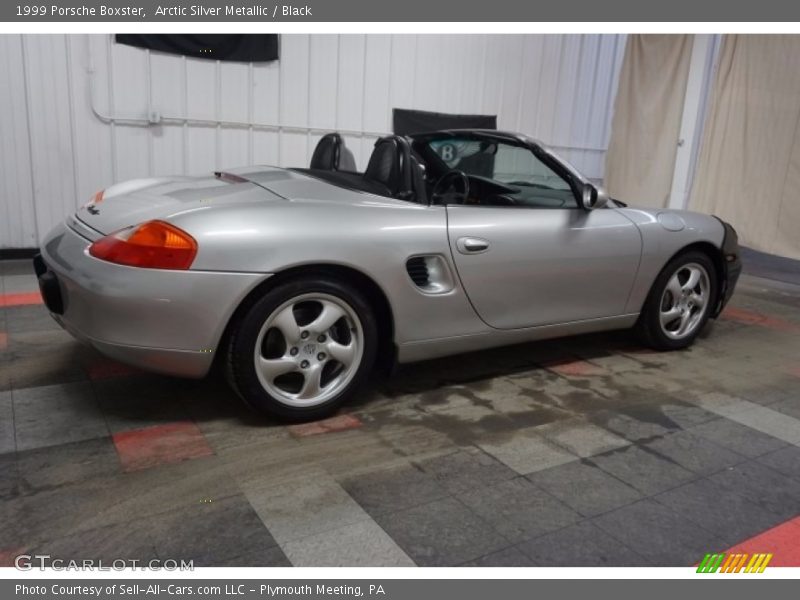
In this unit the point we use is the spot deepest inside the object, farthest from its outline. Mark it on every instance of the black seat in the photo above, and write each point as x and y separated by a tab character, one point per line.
332	155
393	167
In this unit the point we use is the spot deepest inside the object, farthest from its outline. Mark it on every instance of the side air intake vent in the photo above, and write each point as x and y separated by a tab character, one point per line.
430	274
418	271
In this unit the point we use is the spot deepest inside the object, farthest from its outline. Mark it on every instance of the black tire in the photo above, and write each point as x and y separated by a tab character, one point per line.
648	328
240	351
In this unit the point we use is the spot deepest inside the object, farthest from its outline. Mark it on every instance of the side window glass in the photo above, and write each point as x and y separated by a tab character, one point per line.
504	174
539	186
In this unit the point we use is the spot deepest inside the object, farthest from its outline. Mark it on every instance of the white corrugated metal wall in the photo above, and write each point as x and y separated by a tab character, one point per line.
77	109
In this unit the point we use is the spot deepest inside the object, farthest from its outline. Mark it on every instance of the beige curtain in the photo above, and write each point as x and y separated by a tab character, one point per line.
748	171
647	118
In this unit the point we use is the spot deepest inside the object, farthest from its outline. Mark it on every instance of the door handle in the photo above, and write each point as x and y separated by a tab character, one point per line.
472	245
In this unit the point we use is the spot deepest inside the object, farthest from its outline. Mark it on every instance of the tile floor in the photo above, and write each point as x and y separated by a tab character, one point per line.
583	451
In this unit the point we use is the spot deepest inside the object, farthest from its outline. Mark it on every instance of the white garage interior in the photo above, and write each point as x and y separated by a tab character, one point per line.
85	112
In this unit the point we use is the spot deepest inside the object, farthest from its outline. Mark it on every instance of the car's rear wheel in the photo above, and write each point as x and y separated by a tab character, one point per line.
679	303
301	350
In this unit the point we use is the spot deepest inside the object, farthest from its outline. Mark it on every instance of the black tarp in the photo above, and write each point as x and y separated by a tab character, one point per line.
408	121
231	47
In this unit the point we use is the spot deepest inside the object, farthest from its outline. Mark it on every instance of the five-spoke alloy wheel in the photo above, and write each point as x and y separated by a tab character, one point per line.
679	303
302	349
308	349
683	303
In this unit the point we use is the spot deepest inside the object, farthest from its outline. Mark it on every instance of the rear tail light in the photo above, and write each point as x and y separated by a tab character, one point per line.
152	245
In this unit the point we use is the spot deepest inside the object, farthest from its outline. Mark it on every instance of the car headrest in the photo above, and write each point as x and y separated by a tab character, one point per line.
391	165
332	155
347	161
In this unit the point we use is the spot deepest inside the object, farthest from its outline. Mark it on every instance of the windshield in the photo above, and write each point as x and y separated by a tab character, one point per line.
526	179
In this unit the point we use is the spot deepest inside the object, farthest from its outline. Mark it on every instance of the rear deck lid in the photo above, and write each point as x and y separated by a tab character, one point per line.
140	200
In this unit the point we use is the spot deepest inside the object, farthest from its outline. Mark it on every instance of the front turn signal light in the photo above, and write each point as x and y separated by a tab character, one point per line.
151	245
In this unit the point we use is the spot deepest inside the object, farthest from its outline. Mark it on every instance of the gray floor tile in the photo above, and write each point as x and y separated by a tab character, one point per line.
526	451
518	510
580	545
647	472
140	401
790	406
207	533
176	486
113	499
53	466
5	375
362	544
29	319
466	469
585	488
694	452
581	438
18	284
441	533
14	531
732	517
685	415
770	422
632	428
739	438
7	441
77	510
304	507
763	486
9	477
43	358
786	461
658	534
268	557
393	489
509	557
58	414
125	540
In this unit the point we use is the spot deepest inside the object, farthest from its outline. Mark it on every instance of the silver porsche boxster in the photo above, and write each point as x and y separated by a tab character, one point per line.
298	280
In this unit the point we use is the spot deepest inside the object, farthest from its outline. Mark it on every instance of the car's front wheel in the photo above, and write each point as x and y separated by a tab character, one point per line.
302	349
679	303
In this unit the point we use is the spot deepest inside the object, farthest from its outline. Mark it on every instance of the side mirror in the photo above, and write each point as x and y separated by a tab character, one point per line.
593	197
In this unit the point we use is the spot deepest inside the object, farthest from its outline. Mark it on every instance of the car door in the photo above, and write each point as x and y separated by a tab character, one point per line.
523	266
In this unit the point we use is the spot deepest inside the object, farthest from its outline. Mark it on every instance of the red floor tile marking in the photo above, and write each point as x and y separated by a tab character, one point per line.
573	368
338	423
3	340
750	317
20	299
159	445
103	368
8	555
794	371
783	541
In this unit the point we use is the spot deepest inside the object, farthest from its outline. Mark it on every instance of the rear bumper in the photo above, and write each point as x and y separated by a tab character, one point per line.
732	261
164	321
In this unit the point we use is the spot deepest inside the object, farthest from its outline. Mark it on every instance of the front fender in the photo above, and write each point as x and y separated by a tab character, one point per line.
664	234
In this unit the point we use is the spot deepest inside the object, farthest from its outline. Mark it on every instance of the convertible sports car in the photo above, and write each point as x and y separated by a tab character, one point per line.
298	280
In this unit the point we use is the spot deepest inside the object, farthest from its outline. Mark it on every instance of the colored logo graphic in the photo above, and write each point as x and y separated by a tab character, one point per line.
734	563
